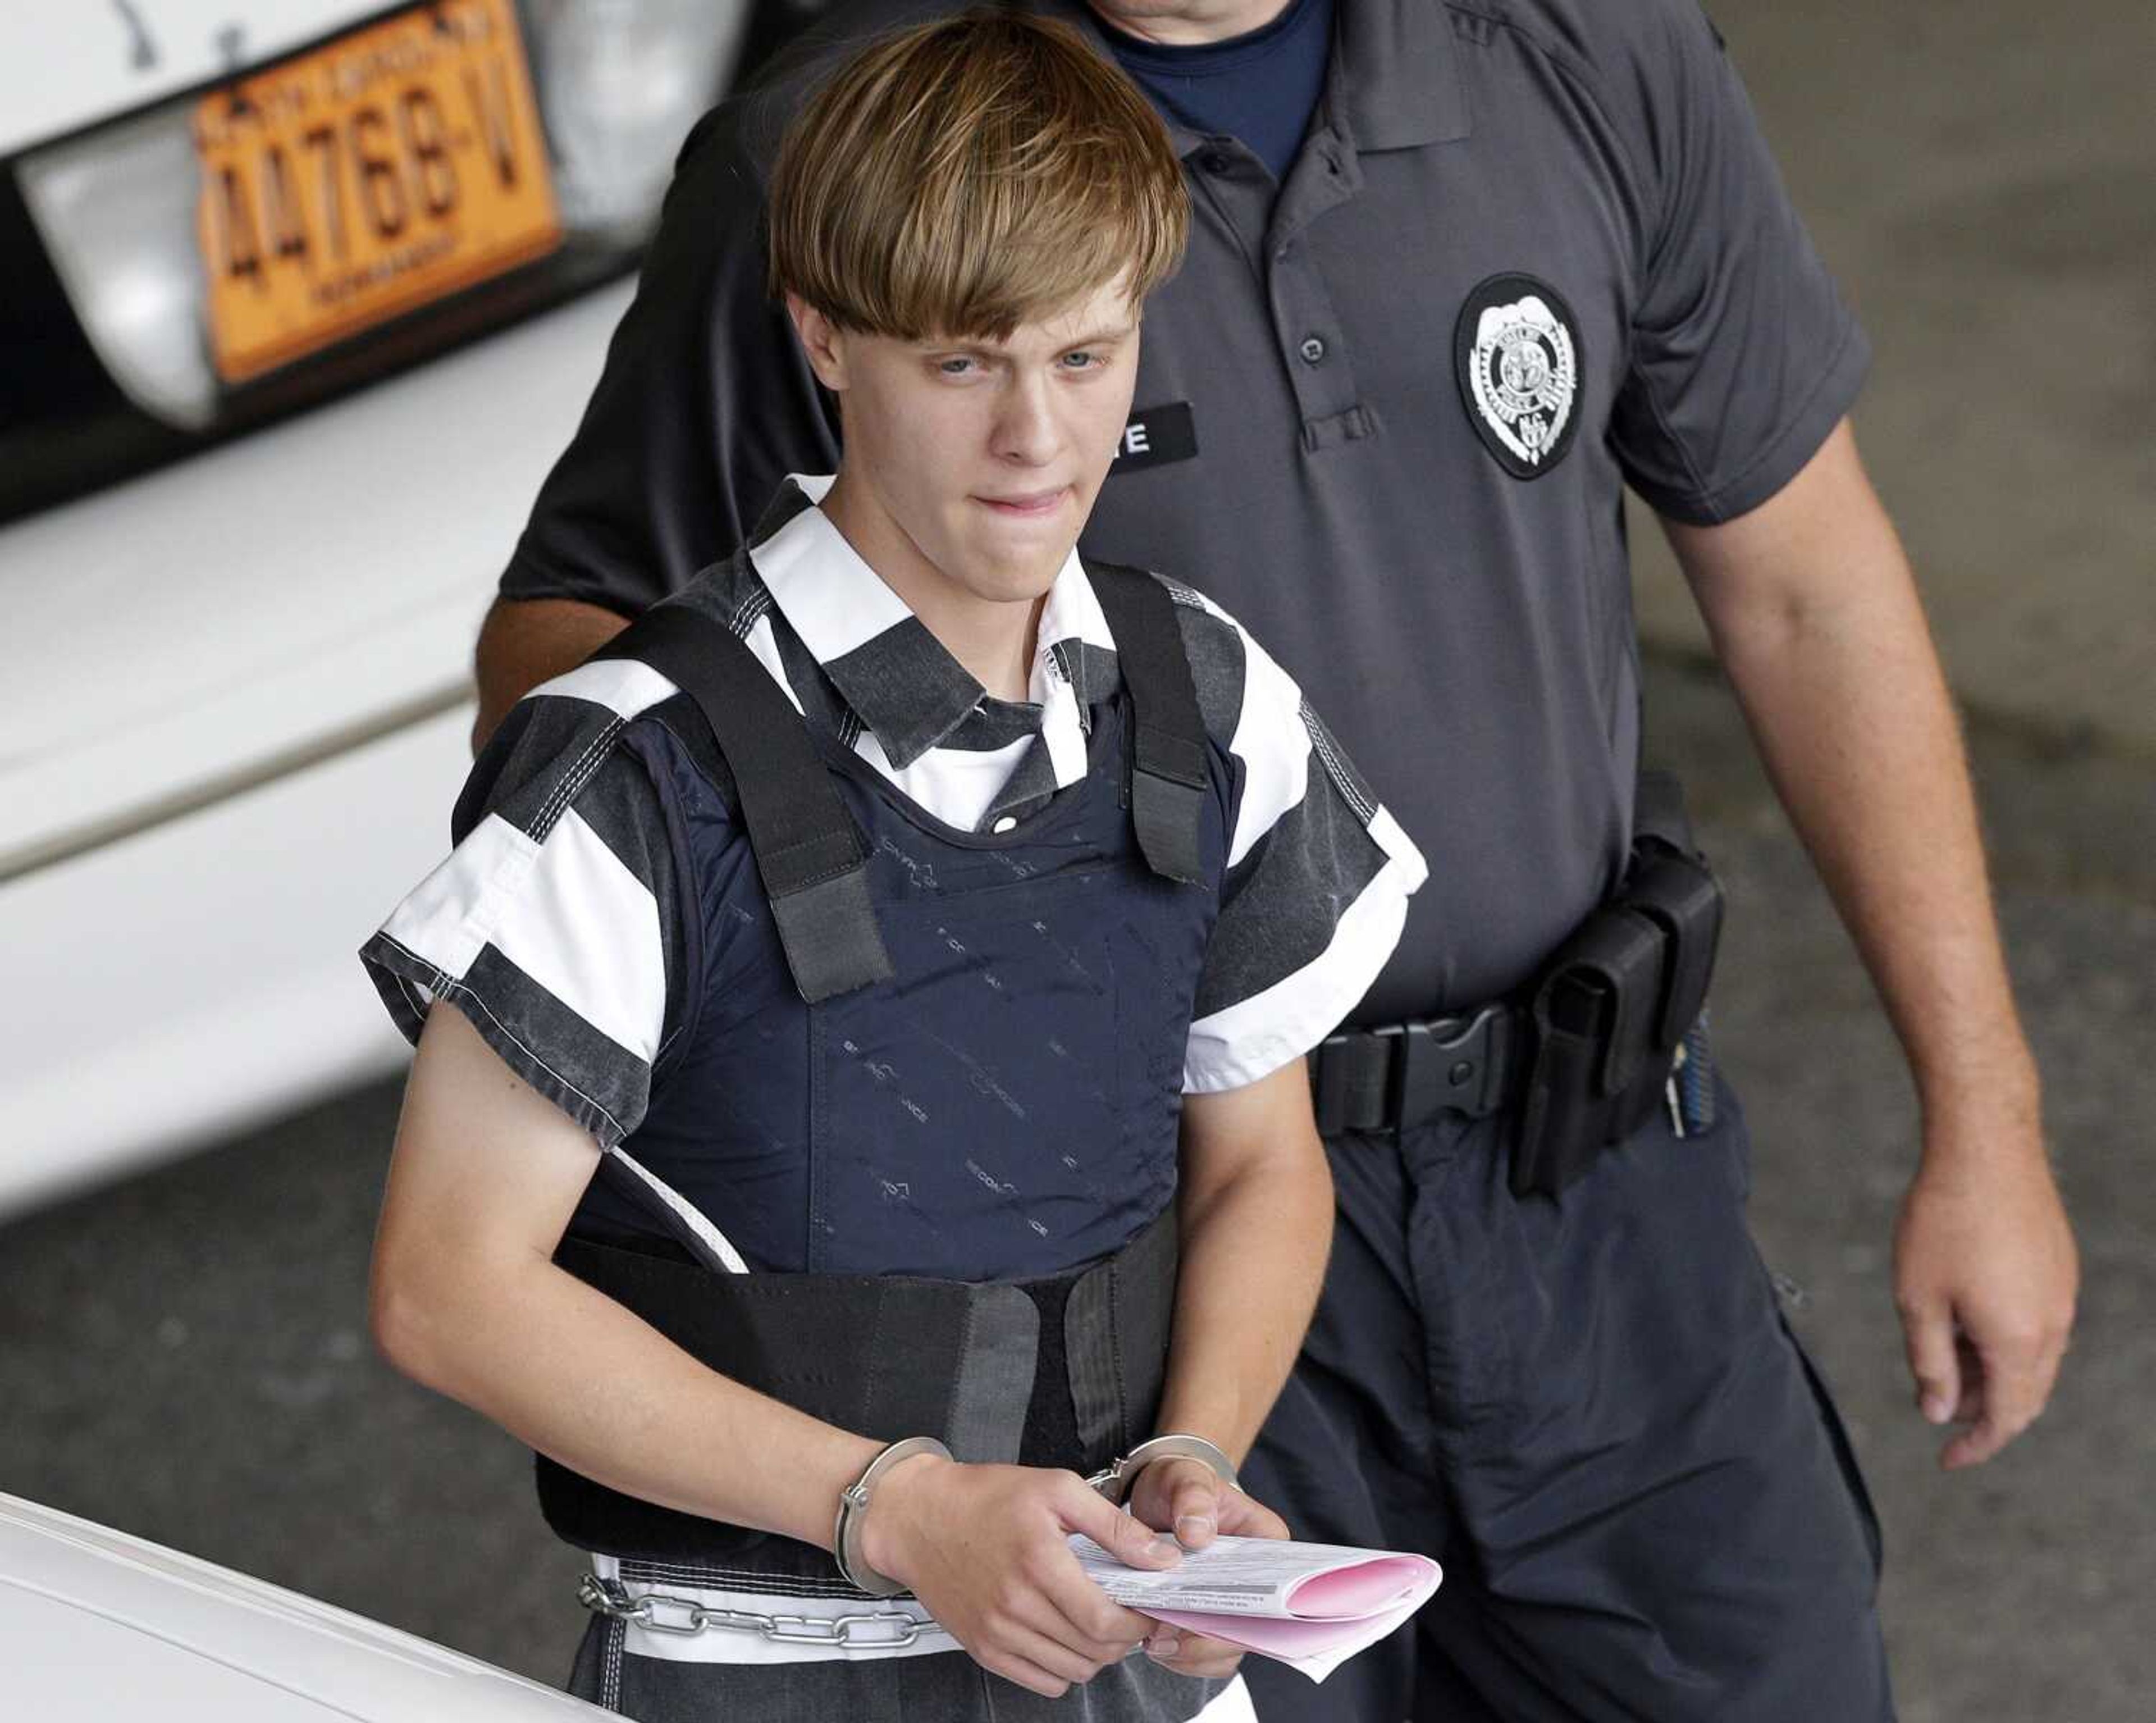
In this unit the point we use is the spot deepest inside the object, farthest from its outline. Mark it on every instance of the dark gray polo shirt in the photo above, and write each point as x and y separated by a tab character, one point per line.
1531	251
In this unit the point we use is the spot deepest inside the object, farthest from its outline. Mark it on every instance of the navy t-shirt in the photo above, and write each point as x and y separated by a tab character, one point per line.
1260	87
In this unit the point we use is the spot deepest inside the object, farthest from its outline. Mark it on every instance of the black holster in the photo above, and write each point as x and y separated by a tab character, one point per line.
1611	1006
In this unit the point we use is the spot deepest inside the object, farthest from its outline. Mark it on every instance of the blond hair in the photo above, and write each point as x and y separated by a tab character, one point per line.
963	177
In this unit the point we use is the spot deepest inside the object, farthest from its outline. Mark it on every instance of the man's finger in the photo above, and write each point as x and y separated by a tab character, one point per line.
1927	1331
1068	1608
1195	1505
2015	1382
1041	1616
1123	1536
1192	1653
1244	1516
1024	1671
1088	1617
1970	1362
1977	1443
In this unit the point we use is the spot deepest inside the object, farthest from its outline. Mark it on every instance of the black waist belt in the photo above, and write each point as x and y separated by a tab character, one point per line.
1583	1057
1402	1075
1065	1371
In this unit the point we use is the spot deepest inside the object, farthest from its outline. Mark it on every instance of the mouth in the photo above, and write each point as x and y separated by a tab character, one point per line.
1028	506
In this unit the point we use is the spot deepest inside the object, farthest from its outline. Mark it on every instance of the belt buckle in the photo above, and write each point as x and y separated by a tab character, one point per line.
1449	1064
1335	1080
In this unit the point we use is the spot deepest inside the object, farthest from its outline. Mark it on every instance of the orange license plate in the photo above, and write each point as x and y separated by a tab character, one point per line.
361	180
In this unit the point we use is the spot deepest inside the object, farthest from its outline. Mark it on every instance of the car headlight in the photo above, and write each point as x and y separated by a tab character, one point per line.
117	211
620	82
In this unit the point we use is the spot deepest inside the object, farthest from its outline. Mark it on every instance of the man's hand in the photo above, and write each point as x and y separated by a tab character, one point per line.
1185	1496
985	1549
1984	1277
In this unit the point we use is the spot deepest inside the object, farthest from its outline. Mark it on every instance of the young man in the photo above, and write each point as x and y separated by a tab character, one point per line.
929	925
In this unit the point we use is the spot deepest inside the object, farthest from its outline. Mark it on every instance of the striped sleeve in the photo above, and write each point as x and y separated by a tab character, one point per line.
557	923
1318	876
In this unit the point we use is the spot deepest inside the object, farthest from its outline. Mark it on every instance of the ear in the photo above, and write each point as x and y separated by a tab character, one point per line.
822	341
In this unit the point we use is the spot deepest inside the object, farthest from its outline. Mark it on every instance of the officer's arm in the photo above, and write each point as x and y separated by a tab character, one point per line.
1815	615
525	642
1256	1210
705	404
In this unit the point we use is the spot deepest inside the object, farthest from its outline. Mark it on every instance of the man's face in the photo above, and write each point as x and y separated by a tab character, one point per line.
971	465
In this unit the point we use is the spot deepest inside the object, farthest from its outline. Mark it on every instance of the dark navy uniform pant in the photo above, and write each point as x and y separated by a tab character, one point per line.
1591	1413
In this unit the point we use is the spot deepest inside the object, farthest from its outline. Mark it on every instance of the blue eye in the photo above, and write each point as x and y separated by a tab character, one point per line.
1081	361
954	367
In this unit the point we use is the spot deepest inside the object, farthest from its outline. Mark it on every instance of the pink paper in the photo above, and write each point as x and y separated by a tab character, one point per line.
1255	1632
1358	1591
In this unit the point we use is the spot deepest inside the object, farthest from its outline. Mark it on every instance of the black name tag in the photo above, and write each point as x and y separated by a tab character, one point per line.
1155	436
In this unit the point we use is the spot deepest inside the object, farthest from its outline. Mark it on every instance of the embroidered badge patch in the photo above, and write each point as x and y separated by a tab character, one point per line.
1516	350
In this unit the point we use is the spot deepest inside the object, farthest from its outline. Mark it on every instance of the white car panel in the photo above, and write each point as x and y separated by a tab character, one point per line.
134	1032
97	1625
65	66
328	573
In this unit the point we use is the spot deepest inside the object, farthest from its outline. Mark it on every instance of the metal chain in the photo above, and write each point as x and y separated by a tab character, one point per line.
661	1612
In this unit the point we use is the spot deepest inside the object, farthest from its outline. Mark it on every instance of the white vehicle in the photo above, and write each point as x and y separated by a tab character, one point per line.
96	1626
298	299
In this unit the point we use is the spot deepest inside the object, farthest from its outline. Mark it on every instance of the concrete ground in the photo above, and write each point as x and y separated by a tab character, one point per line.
183	1356
1982	179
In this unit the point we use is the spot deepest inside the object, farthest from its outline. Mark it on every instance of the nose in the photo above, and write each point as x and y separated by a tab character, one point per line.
1026	431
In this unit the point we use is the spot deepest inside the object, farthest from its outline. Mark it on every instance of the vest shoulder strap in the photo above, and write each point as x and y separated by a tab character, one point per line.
1168	778
808	851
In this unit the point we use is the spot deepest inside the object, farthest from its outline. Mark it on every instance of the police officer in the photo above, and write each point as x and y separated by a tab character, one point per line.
1459	273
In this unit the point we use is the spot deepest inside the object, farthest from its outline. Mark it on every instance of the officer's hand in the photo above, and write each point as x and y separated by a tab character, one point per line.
1984	1277
984	1548
1185	1496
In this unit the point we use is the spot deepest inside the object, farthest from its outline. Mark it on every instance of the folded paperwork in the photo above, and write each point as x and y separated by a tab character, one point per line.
1310	1606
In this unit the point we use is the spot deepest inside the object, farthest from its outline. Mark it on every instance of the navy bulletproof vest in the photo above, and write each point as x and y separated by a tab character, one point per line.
947	1068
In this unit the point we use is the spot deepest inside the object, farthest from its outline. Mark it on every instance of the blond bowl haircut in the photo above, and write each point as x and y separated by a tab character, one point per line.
958	178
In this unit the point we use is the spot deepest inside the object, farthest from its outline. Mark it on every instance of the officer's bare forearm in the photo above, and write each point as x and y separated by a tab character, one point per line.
1255	1209
525	642
1815	616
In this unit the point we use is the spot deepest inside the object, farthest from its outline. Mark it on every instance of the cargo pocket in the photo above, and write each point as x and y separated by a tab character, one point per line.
1845	1452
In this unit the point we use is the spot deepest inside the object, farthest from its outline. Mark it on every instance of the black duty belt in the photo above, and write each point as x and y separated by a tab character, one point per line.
1401	1075
1592	1045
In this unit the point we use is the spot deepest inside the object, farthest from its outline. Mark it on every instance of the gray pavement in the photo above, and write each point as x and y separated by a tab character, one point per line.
184	1356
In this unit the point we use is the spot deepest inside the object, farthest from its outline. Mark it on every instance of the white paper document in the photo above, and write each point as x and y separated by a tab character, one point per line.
1310	1606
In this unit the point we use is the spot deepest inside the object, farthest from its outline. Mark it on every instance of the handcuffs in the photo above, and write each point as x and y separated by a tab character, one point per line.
1115	1482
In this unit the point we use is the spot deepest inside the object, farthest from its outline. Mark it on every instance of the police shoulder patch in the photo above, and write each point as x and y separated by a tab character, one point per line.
1516	349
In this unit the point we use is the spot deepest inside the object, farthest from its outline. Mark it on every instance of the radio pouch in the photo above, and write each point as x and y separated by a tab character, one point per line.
1609	1010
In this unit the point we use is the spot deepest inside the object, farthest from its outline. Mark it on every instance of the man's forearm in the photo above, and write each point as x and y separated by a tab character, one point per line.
525	642
1817	621
1254	1250
611	1398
